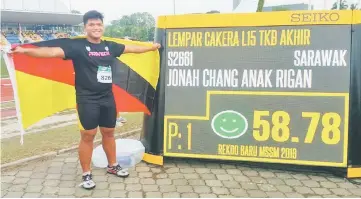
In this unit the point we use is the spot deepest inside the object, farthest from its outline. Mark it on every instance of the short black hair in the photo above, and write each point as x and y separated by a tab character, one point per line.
92	14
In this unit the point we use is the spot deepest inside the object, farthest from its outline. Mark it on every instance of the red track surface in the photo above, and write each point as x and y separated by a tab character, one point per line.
7	95
6	90
8	113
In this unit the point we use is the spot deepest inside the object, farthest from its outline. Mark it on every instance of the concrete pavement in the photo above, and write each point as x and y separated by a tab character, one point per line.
60	177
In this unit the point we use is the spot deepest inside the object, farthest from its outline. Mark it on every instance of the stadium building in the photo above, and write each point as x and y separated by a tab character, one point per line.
25	21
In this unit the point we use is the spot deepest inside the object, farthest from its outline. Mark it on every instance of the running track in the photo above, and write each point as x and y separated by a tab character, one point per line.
7	95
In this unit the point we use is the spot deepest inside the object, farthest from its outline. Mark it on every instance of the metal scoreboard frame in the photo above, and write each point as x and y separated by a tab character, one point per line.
180	125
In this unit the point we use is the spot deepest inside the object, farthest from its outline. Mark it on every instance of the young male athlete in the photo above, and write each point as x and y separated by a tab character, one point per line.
92	59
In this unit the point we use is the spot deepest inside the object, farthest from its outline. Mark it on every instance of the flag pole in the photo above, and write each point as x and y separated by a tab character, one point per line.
174	7
9	63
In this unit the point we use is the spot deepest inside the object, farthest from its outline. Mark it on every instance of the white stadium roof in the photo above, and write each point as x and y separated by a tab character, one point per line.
9	16
38	12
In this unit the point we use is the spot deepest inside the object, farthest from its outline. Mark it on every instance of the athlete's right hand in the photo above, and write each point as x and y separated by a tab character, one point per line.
17	49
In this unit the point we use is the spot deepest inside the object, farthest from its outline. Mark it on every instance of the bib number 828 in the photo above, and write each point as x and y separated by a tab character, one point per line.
280	131
106	77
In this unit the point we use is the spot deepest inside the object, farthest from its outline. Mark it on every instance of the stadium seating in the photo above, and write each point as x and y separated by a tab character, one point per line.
12	37
32	36
29	36
48	36
73	34
62	35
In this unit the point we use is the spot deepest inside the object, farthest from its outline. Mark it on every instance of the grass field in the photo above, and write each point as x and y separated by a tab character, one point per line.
5	105
55	139
4	71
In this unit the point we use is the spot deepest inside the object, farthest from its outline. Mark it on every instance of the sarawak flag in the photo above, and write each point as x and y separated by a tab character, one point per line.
45	86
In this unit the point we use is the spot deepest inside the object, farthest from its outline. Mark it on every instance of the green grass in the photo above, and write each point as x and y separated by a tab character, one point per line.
55	139
4	70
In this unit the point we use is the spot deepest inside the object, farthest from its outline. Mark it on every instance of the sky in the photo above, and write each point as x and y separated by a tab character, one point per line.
115	9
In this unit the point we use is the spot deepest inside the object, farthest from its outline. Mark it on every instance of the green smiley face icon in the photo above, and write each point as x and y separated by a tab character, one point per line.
229	124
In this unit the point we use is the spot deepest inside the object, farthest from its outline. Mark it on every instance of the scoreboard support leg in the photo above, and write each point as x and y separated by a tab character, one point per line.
354	169
354	172
153	159
152	141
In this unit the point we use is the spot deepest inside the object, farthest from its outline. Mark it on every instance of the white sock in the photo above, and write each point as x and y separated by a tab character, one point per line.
115	164
86	173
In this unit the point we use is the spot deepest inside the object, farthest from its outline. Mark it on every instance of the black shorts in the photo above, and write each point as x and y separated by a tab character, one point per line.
92	115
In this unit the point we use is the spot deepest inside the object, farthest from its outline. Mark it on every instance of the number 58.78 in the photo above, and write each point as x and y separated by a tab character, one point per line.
277	126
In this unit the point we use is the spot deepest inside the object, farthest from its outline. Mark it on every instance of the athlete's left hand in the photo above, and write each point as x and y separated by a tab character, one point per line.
156	46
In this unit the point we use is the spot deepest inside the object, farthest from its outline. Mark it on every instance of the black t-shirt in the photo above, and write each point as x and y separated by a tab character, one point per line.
92	65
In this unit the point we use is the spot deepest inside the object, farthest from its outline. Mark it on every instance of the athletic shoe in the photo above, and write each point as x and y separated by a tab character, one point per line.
118	171
88	182
121	120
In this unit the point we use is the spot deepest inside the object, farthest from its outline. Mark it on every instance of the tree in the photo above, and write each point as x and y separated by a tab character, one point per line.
260	5
138	25
341	3
354	6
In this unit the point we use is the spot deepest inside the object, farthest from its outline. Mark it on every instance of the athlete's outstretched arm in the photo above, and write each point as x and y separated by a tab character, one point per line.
140	49
42	52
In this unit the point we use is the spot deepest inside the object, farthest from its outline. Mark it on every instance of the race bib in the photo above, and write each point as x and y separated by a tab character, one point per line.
104	74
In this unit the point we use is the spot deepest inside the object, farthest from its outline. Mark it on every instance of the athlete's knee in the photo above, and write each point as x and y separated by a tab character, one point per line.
107	132
88	135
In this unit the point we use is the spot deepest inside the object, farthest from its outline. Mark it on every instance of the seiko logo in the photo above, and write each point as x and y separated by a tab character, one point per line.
315	17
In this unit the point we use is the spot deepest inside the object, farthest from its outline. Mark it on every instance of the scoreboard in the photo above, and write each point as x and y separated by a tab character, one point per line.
265	93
